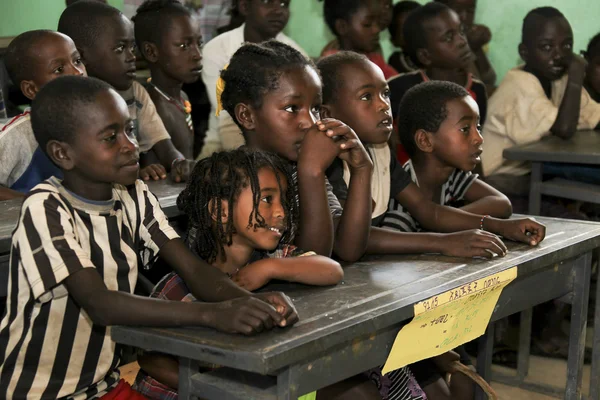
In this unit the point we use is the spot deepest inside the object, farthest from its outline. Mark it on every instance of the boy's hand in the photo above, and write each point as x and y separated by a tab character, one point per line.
153	171
318	151
445	362
181	170
255	275
478	36
246	315
351	149
283	305
473	243
526	230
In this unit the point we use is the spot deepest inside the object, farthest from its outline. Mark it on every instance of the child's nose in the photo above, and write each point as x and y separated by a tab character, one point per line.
196	52
76	70
307	120
129	144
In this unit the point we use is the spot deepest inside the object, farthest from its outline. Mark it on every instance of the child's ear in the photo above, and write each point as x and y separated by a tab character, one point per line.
245	116
423	140
523	52
325	112
29	89
341	27
214	211
423	57
149	52
61	154
243	7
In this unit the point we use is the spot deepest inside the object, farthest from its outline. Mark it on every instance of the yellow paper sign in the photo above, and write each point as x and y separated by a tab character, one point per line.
443	322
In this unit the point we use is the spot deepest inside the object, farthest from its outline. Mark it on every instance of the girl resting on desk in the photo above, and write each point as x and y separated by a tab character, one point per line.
242	215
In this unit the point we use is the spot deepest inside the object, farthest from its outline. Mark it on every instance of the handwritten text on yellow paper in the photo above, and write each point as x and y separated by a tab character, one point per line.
448	320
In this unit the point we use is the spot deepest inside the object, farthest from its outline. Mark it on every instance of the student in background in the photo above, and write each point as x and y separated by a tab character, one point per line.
168	38
399	60
264	20
104	38
241	208
592	74
356	25
543	97
479	37
90	233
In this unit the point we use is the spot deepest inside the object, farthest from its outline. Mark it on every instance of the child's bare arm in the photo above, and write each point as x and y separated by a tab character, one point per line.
161	367
447	219
485	200
7	194
311	270
106	307
565	124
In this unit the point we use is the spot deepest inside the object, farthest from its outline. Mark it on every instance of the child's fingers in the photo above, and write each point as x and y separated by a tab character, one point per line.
350	144
144	174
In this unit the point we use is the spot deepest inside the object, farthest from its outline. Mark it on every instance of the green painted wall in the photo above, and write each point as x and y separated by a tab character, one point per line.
307	26
17	16
503	17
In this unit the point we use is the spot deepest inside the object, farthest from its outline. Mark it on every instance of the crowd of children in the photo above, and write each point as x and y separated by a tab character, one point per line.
297	169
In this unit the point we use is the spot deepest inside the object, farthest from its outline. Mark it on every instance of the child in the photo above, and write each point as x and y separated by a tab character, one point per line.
479	36
33	59
356	25
247	192
398	60
264	20
436	43
169	40
75	253
542	97
105	40
592	74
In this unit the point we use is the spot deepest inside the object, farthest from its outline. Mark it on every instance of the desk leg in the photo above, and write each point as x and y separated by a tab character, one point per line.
595	375
524	344
484	359
286	384
187	368
581	289
535	190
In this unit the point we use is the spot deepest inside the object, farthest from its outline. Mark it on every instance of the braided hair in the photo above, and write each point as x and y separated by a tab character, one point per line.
223	176
254	70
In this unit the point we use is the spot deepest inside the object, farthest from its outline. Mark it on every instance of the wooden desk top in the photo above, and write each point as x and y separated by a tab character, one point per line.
165	191
582	148
374	295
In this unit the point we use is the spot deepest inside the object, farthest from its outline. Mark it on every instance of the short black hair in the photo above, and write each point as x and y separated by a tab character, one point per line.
56	110
340	9
222	176
85	21
18	57
402	7
531	22
593	47
330	68
424	107
415	35
152	19
254	70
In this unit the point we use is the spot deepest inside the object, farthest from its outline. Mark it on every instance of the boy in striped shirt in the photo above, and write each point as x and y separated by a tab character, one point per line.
76	252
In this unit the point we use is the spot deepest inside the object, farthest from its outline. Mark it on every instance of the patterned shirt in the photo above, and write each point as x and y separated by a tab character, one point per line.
49	346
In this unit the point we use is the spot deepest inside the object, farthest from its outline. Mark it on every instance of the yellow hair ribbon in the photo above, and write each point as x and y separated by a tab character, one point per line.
220	89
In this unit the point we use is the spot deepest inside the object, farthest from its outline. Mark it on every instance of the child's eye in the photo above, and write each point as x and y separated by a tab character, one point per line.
78	61
568	46
119	49
184	46
59	70
132	48
267	199
546	47
366	97
479	128
130	131
316	112
448	38
290	109
386	93
111	138
465	129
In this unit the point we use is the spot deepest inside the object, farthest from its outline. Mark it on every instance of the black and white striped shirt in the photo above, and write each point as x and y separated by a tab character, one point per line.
49	347
454	189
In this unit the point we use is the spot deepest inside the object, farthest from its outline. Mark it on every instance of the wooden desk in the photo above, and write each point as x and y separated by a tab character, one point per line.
583	148
350	328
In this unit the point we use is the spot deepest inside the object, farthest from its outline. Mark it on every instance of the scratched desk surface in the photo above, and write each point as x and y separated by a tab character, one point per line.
165	191
375	294
582	148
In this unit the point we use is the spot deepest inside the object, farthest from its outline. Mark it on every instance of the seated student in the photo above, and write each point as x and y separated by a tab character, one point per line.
479	36
592	74
264	20
168	38
543	97
89	234
399	60
435	41
356	25
235	188
104	38
34	58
